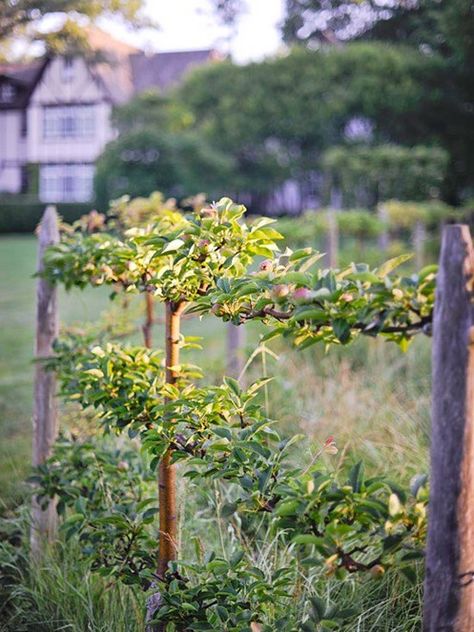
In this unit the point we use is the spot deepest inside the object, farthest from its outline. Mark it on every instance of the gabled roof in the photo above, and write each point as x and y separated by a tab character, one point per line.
164	70
121	69
112	66
24	78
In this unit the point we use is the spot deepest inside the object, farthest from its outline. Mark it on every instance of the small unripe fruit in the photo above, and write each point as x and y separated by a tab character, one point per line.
377	571
280	291
203	244
266	266
302	294
208	211
347	297
122	466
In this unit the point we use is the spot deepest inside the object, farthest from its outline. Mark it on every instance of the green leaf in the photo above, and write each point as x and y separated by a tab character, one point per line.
342	330
391	264
356	476
287	508
233	384
318	606
172	246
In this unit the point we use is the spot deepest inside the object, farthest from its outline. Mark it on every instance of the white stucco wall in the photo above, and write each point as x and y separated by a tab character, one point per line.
12	151
52	90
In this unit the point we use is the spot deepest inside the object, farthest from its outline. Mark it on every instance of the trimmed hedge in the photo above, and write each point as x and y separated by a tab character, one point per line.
19	215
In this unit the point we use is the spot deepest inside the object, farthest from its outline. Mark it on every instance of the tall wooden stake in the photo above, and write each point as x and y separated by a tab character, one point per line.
332	237
167	471
149	321
45	414
449	585
384	237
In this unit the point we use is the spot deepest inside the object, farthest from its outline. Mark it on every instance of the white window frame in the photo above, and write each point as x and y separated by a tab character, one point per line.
69	121
70	182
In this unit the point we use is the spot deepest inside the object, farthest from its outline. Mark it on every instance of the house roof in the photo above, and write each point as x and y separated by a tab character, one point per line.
24	78
122	69
164	70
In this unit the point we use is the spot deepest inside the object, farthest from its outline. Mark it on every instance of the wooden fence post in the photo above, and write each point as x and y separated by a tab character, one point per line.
449	585
332	237
45	414
384	237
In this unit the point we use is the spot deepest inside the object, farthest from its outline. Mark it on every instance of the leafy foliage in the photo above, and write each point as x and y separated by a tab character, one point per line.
328	306
109	493
178	259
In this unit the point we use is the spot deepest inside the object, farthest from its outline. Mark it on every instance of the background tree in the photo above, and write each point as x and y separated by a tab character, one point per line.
20	18
441	29
276	118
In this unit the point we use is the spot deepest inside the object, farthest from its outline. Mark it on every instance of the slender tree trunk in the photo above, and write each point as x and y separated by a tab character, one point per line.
149	321
167	471
419	238
384	238
45	414
332	246
449	585
235	343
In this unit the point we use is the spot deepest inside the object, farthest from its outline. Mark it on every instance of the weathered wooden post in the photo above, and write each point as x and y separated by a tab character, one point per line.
449	585
384	237
45	414
332	237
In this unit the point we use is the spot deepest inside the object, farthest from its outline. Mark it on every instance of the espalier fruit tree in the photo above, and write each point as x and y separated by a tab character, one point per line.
211	262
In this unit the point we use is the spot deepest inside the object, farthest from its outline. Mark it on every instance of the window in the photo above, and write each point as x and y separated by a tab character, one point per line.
68	121
24	123
7	93
66	183
24	180
68	69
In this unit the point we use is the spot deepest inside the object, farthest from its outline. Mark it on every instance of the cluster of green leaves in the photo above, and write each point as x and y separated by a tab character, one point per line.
205	257
108	494
333	524
325	305
124	382
220	594
359	524
178	259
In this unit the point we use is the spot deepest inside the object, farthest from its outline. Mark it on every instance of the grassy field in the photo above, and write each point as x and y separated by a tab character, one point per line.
371	397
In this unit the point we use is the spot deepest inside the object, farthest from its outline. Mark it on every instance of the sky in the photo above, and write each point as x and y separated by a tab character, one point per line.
190	24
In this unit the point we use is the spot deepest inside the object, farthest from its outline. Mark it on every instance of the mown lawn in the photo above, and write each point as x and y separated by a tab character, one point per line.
17	316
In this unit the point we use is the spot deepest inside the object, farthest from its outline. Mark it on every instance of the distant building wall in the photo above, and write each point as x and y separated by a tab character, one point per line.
12	151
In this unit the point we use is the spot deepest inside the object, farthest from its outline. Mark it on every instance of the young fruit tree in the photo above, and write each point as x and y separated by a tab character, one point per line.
211	262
